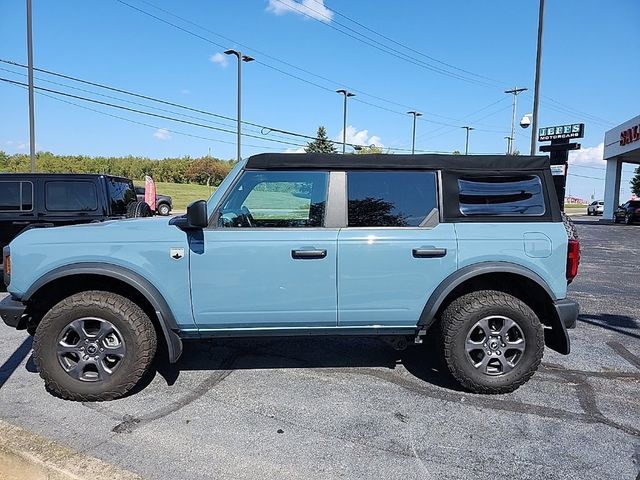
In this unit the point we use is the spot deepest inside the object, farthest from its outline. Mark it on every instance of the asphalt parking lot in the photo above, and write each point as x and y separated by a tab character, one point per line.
340	408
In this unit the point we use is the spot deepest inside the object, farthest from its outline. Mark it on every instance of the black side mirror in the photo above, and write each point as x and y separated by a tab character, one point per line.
195	219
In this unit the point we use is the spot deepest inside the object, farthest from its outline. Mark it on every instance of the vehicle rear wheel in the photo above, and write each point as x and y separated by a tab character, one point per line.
493	342
164	209
94	346
138	209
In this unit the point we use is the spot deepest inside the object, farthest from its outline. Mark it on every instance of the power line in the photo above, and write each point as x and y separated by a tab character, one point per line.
403	45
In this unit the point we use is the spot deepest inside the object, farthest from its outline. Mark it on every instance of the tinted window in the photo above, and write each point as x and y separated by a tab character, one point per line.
390	198
501	195
67	196
9	196
634	203
27	196
121	194
276	199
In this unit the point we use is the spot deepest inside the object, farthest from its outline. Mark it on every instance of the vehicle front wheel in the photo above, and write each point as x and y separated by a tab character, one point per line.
493	342
94	346
164	209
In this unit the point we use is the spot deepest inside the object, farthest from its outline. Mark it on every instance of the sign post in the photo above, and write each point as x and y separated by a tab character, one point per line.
559	137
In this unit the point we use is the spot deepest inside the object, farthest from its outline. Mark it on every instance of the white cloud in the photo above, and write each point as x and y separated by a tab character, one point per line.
312	8
220	59
162	134
360	137
588	156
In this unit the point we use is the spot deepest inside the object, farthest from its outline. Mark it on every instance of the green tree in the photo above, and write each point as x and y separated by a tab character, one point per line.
321	144
635	182
456	152
369	150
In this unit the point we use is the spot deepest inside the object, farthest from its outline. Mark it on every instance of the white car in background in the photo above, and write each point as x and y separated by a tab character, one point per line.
595	208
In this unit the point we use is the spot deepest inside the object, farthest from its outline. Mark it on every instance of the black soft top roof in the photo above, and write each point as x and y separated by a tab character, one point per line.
391	161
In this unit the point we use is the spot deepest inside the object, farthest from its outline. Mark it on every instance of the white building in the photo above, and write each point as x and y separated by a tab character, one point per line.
621	145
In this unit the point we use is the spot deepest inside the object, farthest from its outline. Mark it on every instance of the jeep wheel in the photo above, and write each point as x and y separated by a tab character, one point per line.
164	209
493	342
94	346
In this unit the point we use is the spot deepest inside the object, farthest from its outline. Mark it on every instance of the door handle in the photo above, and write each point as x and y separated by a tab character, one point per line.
429	252
308	254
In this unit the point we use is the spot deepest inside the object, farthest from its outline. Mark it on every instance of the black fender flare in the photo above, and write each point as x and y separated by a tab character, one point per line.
142	285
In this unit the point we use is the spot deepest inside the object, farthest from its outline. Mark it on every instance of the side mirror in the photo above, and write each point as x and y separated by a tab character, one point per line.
195	219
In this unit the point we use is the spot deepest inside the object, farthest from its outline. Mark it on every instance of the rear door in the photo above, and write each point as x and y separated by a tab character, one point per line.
394	251
68	201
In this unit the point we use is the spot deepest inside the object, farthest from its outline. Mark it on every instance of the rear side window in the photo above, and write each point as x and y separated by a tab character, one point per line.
16	196
501	195
390	198
71	196
121	194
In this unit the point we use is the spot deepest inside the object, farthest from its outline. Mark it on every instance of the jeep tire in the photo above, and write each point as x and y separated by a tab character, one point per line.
139	210
493	342
94	346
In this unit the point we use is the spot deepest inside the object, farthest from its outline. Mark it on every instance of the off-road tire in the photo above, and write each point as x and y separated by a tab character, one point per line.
138	210
137	331
164	209
460	316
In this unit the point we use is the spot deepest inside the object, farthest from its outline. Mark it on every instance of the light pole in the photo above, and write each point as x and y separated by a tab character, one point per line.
346	94
32	120
466	143
413	143
241	58
536	88
515	91
508	139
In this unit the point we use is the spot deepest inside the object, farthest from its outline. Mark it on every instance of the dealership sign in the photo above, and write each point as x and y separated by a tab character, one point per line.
630	135
575	130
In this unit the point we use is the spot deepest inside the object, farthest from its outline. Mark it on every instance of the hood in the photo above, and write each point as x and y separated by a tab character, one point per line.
132	230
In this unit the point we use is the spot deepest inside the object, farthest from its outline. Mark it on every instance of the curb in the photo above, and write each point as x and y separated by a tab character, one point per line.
24	455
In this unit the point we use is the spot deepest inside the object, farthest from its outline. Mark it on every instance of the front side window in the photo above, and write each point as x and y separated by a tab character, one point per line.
276	199
71	196
390	198
121	194
501	195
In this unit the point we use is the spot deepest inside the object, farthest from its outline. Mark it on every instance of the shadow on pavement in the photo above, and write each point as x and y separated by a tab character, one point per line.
616	323
425	362
14	361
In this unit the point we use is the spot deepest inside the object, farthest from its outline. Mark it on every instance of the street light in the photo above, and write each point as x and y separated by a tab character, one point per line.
466	145
241	58
536	88
413	143
346	94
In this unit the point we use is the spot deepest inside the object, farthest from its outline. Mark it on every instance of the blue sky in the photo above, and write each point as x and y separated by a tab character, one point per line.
588	67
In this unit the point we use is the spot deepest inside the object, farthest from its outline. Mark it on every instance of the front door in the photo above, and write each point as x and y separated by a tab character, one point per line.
267	261
394	252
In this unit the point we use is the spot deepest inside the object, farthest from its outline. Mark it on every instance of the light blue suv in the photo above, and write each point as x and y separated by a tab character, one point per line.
310	244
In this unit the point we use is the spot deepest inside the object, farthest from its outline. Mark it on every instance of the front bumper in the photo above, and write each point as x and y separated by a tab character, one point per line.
11	311
567	311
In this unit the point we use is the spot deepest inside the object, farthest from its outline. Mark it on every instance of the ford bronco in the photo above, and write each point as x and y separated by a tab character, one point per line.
472	248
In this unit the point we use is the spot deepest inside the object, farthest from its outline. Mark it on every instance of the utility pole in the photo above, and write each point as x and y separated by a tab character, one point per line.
466	143
32	120
413	143
515	93
536	89
346	94
241	58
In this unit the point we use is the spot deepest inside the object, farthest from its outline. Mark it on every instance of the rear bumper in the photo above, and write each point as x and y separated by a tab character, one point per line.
11	311
567	311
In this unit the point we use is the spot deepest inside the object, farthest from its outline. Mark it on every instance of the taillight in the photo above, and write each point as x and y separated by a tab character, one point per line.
573	259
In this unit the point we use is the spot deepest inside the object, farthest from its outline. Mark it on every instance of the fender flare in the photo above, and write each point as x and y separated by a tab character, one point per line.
427	317
142	285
